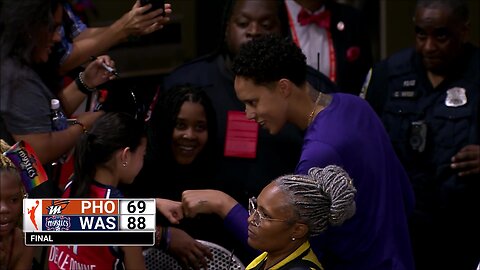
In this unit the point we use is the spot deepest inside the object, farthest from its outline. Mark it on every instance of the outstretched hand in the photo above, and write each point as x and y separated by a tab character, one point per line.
138	21
159	23
206	201
172	210
467	160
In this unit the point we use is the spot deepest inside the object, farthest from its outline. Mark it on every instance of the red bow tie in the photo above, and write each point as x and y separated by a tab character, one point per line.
322	19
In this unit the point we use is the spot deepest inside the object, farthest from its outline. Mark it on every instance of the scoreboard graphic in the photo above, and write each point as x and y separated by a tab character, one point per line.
90	222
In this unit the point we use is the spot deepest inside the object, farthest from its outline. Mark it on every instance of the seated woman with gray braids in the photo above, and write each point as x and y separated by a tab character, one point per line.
288	211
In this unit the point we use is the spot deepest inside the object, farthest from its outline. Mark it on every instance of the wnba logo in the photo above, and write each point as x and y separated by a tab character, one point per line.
32	215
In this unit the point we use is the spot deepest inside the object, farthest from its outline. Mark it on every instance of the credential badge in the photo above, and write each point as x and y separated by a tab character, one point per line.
456	97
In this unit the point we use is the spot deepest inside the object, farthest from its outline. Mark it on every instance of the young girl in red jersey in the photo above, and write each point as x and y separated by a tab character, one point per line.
13	252
111	153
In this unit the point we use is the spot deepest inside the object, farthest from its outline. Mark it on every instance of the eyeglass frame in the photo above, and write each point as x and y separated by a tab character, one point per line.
257	216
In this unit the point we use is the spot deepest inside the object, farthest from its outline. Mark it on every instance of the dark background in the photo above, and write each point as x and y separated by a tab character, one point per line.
195	26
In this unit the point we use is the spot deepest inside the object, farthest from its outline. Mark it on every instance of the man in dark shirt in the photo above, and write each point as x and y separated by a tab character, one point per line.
428	100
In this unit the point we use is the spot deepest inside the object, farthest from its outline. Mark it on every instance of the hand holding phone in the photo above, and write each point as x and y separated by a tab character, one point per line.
156	4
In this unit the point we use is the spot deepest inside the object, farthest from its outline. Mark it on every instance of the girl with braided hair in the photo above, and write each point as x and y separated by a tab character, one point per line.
13	253
291	209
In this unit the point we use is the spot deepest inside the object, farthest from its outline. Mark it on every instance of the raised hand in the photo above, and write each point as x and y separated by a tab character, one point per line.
139	22
95	73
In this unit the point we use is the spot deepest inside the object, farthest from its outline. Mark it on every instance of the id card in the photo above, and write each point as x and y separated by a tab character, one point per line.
241	136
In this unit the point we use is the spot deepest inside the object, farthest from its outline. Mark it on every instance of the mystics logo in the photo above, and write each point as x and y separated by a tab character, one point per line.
32	215
57	223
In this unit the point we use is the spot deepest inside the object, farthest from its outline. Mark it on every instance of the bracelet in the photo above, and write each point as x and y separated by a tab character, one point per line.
158	235
76	122
162	239
82	86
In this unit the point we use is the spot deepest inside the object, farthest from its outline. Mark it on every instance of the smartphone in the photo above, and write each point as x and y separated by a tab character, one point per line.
156	4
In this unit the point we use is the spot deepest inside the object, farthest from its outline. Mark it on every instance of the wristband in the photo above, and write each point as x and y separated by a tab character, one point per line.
162	239
76	122
158	235
165	238
82	86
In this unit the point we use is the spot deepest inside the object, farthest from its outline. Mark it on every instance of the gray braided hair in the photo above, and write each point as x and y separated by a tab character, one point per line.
323	197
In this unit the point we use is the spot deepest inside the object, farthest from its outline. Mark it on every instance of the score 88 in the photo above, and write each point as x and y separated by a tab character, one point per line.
137	215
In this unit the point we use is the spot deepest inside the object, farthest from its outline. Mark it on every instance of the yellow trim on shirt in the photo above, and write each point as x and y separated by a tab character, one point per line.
305	246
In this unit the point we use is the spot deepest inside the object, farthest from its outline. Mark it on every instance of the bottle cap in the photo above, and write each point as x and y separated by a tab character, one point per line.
54	104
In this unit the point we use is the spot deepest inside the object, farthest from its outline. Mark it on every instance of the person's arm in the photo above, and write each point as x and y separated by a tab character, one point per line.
207	201
134	259
234	215
95	41
236	223
50	146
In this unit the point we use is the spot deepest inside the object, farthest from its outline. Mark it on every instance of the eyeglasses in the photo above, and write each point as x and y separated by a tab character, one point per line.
257	216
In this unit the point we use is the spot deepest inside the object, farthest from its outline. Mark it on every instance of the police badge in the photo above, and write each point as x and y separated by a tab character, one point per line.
456	97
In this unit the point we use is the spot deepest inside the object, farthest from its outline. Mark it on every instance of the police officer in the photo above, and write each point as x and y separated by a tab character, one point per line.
428	100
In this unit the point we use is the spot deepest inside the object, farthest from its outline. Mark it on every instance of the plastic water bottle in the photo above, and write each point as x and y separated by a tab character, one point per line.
59	120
